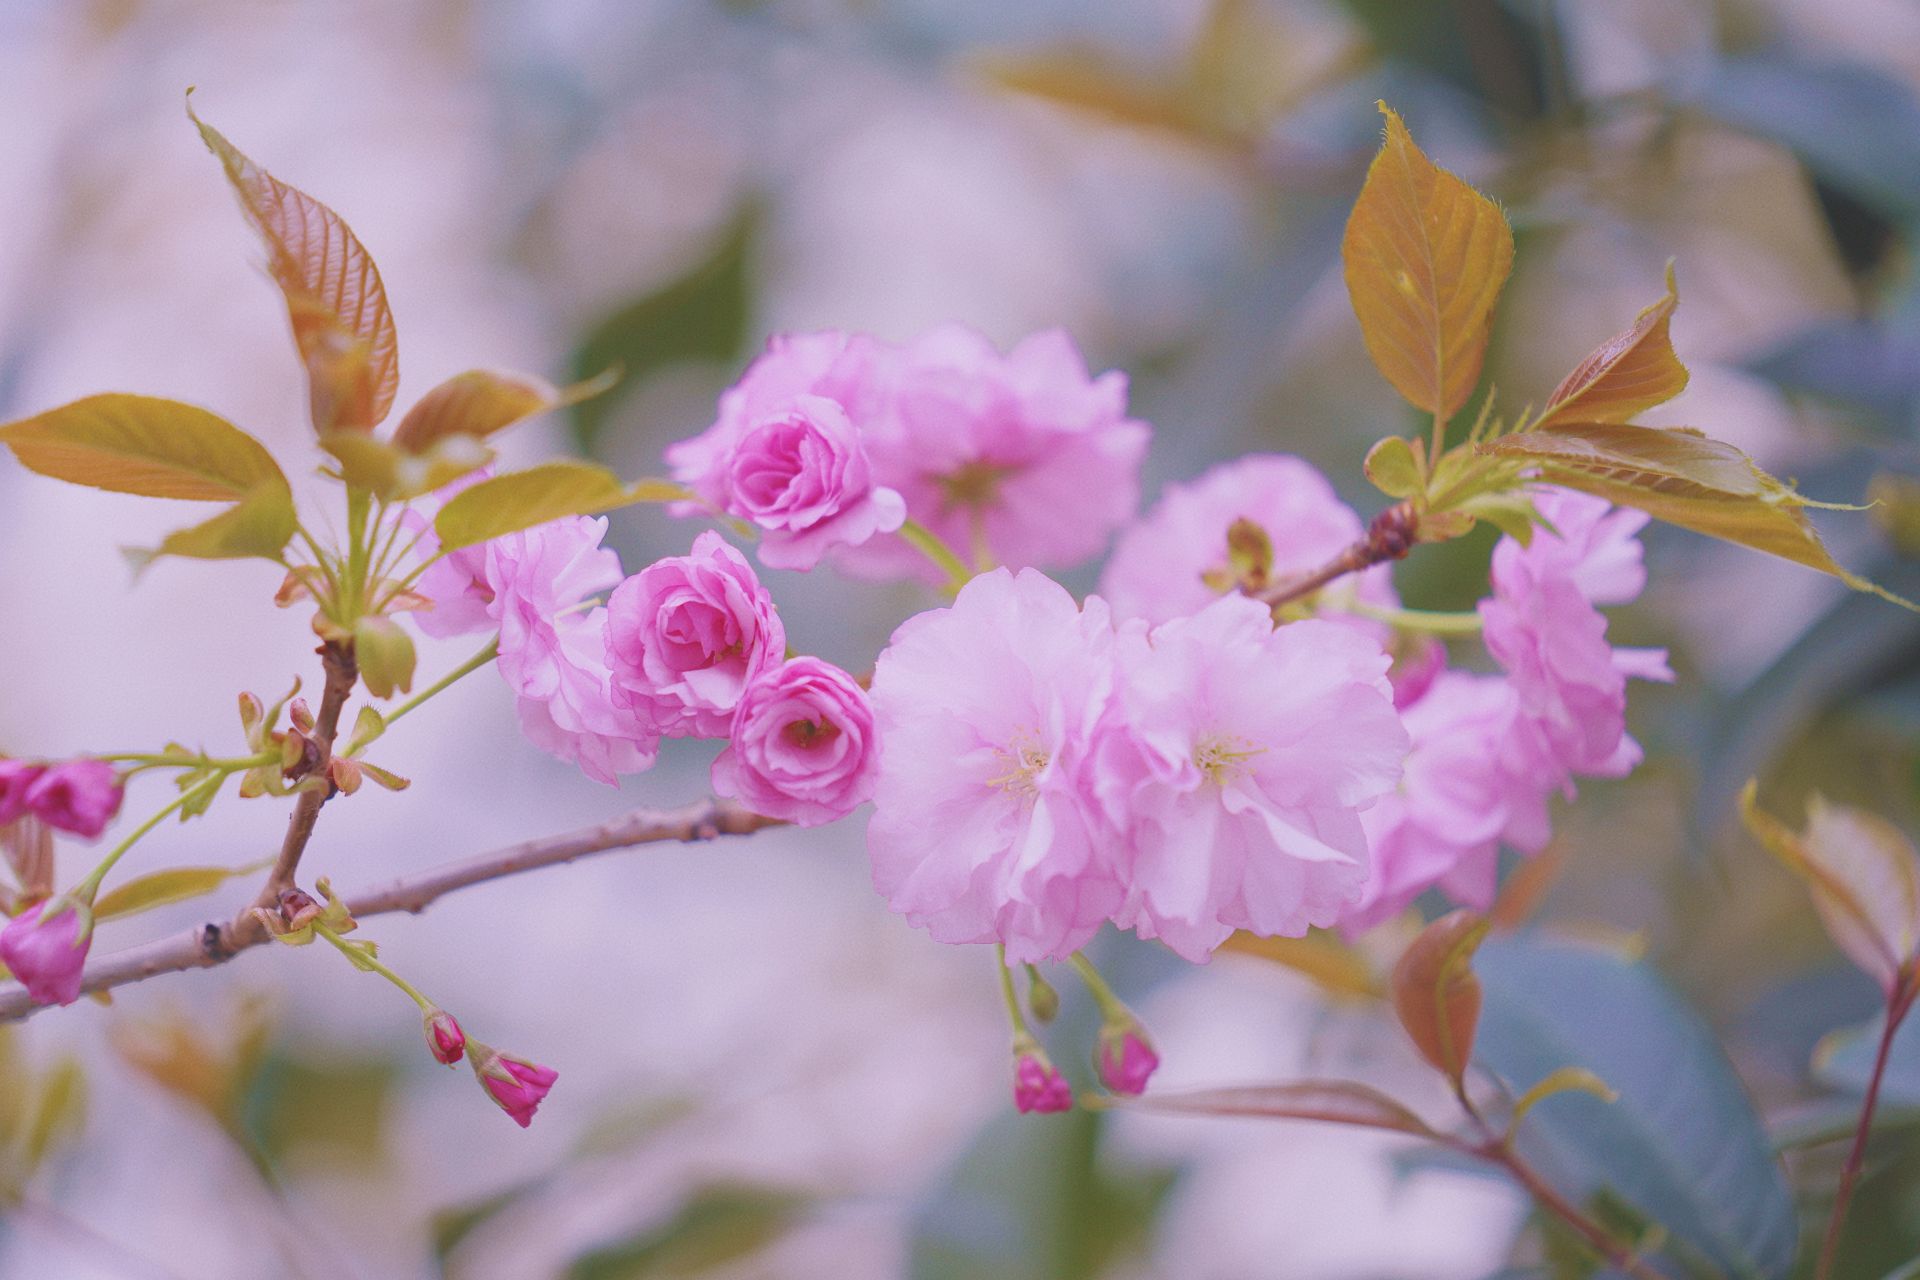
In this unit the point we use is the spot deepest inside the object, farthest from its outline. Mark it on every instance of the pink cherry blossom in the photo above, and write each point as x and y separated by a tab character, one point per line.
1246	754
985	827
16	777
1023	457
687	634
1126	1059
804	745
79	796
47	956
516	1085
1038	1085
1160	567
456	583
445	1041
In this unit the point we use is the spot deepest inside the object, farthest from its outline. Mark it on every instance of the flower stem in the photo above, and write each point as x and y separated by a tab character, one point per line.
363	958
931	545
446	681
1899	1002
1443	624
88	887
1112	1008
1012	997
1596	1236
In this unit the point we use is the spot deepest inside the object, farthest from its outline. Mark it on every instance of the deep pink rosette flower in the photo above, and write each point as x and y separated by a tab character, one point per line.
1022	457
78	796
1126	1059
1038	1085
445	1041
1160	567
985	825
1245	754
16	777
46	956
516	1085
804	745
687	635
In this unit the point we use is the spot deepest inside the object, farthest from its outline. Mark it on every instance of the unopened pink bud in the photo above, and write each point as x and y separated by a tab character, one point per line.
1038	1084
1126	1059
16	778
518	1086
47	956
80	796
444	1038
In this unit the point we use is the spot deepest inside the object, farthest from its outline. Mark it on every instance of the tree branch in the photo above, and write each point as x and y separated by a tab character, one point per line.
212	944
1390	537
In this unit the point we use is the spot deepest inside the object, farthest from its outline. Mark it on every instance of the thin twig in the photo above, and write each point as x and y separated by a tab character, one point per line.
212	944
1898	1003
1390	537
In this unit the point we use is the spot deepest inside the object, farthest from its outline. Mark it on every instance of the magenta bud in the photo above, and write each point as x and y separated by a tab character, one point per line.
1126	1059
516	1085
1037	1083
16	779
80	796
47	955
445	1040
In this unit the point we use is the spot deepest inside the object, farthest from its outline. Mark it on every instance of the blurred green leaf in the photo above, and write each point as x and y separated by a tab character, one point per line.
162	888
717	1225
332	1106
450	1227
1681	1145
702	315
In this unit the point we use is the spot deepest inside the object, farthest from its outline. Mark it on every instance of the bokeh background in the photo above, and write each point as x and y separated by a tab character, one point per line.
763	1073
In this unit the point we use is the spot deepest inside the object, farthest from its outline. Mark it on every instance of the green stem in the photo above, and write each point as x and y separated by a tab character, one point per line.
1899	1003
931	545
1112	1008
1012	997
90	886
362	958
466	668
1443	624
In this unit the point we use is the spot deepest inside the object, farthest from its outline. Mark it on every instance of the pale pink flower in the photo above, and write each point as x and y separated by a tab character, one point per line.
455	583
516	1085
445	1041
985	827
564	696
804	747
687	634
1443	825
1022	458
1245	756
1161	567
79	796
16	776
1038	1085
1126	1058
46	955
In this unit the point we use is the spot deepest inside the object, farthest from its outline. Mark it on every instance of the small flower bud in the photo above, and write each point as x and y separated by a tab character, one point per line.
1041	997
1037	1083
1126	1059
445	1040
516	1085
80	796
48	952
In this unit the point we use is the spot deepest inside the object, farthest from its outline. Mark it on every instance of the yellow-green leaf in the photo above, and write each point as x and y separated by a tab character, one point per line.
1330	1101
396	474
163	888
1563	1080
143	445
1436	994
260	524
341	322
1626	374
1426	256
59	1108
385	654
1394	468
507	504
1685	478
481	402
1863	874
1334	965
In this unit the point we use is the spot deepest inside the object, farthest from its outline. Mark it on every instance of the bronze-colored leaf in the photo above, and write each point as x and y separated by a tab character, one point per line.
335	300
1334	965
481	402
1685	478
1436	994
1628	373
1426	256
143	445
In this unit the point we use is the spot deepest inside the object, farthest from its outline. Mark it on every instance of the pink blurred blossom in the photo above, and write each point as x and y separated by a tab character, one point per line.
1237	776
804	746
687	634
16	777
77	796
985	828
1158	568
47	956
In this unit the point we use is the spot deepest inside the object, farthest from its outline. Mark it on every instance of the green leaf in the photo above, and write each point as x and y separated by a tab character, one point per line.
520	500
59	1110
385	655
1685	478
1394	468
717	1225
261	525
367	728
700	316
163	888
1681	1147
395	474
144	445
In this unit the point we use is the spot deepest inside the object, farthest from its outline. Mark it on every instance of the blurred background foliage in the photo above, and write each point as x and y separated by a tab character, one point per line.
577	184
